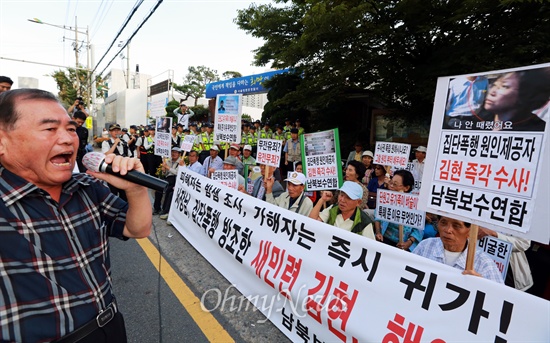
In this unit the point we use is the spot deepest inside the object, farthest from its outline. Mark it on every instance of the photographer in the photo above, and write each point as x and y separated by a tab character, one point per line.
78	105
118	146
82	133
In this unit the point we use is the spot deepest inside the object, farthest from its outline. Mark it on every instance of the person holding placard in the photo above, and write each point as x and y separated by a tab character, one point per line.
388	233
451	248
294	199
258	190
231	163
347	213
194	164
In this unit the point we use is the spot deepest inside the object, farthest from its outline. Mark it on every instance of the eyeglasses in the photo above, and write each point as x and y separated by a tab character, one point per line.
394	184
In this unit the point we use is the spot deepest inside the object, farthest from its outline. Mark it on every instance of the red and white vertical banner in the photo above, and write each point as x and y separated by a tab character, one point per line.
163	139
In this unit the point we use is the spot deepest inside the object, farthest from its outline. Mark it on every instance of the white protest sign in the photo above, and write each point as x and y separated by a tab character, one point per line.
227	119
392	154
163	139
188	142
322	160
399	208
269	152
498	250
309	277
157	106
488	168
226	177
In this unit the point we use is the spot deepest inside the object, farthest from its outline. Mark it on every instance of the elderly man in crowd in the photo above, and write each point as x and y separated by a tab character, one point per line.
346	214
258	190
55	227
451	248
294	199
230	163
212	162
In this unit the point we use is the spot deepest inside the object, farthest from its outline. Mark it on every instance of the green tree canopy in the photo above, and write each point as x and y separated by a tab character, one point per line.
394	49
231	75
67	85
194	83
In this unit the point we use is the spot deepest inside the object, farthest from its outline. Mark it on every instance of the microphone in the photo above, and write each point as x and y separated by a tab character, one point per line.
95	161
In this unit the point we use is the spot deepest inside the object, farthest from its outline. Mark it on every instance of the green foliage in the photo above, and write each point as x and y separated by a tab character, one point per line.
231	75
201	113
194	83
394	49
277	109
170	107
66	84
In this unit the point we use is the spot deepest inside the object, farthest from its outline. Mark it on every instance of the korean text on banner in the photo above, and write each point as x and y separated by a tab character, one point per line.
269	152
188	142
163	139
227	119
392	154
488	152
314	280
226	177
399	208
322	160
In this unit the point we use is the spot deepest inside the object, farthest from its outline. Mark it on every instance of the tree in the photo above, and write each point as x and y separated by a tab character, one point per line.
394	49
66	84
231	75
195	81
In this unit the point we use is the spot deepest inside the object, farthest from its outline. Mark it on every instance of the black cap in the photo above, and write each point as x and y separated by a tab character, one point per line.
193	124
124	129
114	127
133	127
210	125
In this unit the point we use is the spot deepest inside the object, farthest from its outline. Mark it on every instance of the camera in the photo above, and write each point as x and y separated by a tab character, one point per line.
81	102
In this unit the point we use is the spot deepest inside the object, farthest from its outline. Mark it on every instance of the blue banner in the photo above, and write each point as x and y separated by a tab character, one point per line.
251	84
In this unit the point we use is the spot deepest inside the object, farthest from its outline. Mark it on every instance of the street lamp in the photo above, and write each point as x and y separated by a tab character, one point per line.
76	32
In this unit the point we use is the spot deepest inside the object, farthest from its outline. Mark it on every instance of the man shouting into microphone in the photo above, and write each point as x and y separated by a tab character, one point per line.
55	283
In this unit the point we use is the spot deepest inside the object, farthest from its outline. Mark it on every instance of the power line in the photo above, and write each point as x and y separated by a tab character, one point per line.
134	10
132	36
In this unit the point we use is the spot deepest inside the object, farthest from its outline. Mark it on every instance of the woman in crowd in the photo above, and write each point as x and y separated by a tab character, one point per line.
367	158
514	98
378	180
402	181
355	171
